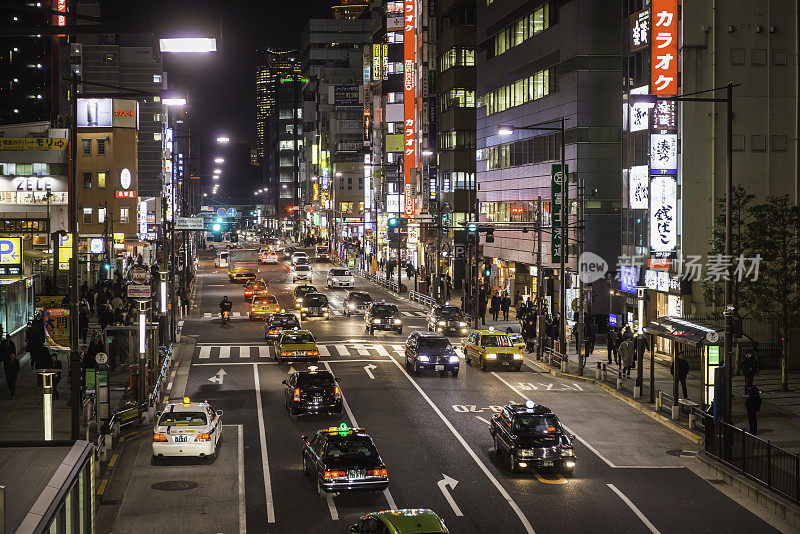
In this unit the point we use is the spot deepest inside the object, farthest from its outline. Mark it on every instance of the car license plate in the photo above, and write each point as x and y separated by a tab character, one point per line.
299	353
180	439
355	475
505	363
440	367
317	399
547	463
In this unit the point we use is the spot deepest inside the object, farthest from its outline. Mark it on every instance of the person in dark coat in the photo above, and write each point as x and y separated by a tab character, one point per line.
683	372
753	405
106	317
11	370
55	363
591	334
749	369
505	306
40	359
482	306
83	324
494	306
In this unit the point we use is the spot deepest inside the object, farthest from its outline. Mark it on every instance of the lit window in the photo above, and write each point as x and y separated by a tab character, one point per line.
124	215
101	215
87	215
156	136
101	180
156	78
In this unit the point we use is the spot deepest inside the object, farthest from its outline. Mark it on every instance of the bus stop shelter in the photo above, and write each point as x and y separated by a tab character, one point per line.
706	338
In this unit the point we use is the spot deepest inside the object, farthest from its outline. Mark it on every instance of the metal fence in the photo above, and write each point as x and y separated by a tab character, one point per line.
760	460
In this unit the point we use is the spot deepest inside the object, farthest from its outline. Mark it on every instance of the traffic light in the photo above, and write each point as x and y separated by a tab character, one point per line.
490	235
487	268
472	228
394	222
216	227
107	266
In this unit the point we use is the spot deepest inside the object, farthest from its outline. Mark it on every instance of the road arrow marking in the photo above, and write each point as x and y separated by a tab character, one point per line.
218	378
368	368
447	481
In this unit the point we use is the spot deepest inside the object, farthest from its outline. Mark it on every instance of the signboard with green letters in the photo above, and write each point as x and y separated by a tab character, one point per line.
555	211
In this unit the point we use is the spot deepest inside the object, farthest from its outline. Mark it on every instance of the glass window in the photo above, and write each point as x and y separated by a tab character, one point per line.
183	419
101	147
101	179
101	215
87	147
87	215
156	136
124	215
156	78
87	179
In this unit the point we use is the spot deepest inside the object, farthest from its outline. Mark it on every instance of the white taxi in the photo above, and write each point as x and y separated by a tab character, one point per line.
187	429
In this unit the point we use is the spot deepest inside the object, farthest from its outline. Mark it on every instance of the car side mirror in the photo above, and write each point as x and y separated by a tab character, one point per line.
304	437
284	382
354	528
219	413
158	414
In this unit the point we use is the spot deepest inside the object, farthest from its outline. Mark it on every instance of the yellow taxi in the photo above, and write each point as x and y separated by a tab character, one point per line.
491	348
296	345
254	288
263	305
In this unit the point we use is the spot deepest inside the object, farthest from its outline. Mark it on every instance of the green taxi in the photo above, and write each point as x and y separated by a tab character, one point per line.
295	346
408	521
517	340
263	305
491	348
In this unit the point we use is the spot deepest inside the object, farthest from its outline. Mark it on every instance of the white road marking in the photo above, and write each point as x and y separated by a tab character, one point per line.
362	351
636	511
332	507
368	368
448	481
242	502
263	351
342	350
399	348
460	353
478	462
225	352
323	350
244	351
264	457
219	377
354	424
205	352
483	419
381	350
597	453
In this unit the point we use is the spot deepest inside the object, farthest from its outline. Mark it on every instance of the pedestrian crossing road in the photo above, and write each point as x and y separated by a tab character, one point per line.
254	352
237	314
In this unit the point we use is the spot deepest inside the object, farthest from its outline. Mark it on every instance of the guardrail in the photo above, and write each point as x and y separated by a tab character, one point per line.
555	359
776	469
422	298
153	397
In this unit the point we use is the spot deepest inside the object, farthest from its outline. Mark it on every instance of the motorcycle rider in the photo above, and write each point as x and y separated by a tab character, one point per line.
225	305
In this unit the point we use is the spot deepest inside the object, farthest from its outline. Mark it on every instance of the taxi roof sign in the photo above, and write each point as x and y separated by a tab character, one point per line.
186	400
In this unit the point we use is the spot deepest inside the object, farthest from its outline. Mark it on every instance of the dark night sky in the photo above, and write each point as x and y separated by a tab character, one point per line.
221	86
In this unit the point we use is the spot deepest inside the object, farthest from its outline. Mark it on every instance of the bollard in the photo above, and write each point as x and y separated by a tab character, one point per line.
619	383
637	392
605	373
659	401
676	412
565	364
692	418
597	372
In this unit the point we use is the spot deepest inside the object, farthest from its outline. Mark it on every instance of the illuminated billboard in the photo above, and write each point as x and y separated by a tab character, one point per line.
409	114
95	113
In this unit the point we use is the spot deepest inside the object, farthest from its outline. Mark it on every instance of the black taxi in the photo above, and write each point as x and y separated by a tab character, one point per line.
447	319
301	291
340	459
382	316
278	322
531	436
312	392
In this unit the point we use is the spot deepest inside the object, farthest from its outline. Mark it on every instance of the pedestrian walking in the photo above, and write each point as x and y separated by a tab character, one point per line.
482	306
494	306
753	405
682	372
749	368
505	305
626	351
448	285
591	334
11	370
83	324
55	363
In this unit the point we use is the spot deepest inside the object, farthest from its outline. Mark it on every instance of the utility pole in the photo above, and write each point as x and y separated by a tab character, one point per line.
539	277
75	356
562	305
730	309
581	295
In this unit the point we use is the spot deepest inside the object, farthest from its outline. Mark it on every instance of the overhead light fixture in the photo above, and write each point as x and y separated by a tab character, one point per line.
223	139
219	160
217	171
183	45
505	130
427	152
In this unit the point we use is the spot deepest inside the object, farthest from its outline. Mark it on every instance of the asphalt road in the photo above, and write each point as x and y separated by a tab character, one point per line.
431	431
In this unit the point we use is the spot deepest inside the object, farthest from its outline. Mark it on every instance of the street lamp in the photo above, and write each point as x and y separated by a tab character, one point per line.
173	101
219	160
188	45
223	140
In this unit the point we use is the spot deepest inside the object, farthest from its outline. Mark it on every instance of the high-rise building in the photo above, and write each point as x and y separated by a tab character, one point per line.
349	9
535	63
271	64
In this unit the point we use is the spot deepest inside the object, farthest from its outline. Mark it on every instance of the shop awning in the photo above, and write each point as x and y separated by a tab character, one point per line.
683	331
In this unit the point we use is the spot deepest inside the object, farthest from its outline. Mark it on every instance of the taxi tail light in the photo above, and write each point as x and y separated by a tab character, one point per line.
287	353
274	332
312	353
252	309
335	474
382	472
337	393
159	437
203	436
297	394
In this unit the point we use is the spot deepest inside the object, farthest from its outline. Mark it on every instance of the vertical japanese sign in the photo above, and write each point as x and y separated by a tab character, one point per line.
664	47
410	128
663	215
555	210
638	188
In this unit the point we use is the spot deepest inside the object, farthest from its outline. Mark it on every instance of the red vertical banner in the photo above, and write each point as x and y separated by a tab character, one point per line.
664	47
409	112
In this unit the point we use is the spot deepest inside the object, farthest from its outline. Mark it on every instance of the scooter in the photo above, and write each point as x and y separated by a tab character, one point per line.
226	317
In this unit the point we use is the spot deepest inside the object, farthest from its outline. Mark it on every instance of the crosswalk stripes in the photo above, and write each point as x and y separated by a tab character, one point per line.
336	313
234	314
265	352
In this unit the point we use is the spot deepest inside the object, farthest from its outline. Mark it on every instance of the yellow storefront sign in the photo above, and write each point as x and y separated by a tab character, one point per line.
32	143
64	251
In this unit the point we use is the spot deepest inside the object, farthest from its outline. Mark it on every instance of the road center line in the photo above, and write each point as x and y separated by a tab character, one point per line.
481	465
242	502
332	507
636	511
386	492
264	457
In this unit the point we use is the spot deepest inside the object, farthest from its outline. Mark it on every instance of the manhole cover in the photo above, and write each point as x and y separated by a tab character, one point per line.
681	452
174	485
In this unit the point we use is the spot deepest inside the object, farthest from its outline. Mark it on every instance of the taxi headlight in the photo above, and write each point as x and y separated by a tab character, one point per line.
298	300
303	309
462	323
442	323
491	356
351	306
454	359
525	453
398	321
376	321
517	356
423	358
567	452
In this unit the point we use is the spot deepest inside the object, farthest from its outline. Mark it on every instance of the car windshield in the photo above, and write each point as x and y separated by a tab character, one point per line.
450	312
183	419
496	340
299	254
426	342
295	338
351	449
315	300
340	272
284	322
385	309
302	290
527	424
515	337
303	261
318	378
360	298
305	268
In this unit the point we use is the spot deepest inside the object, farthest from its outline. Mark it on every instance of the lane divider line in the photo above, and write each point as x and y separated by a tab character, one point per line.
636	510
263	440
480	464
242	500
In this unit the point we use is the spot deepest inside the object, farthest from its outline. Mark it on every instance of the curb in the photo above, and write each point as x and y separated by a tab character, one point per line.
773	503
686	433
